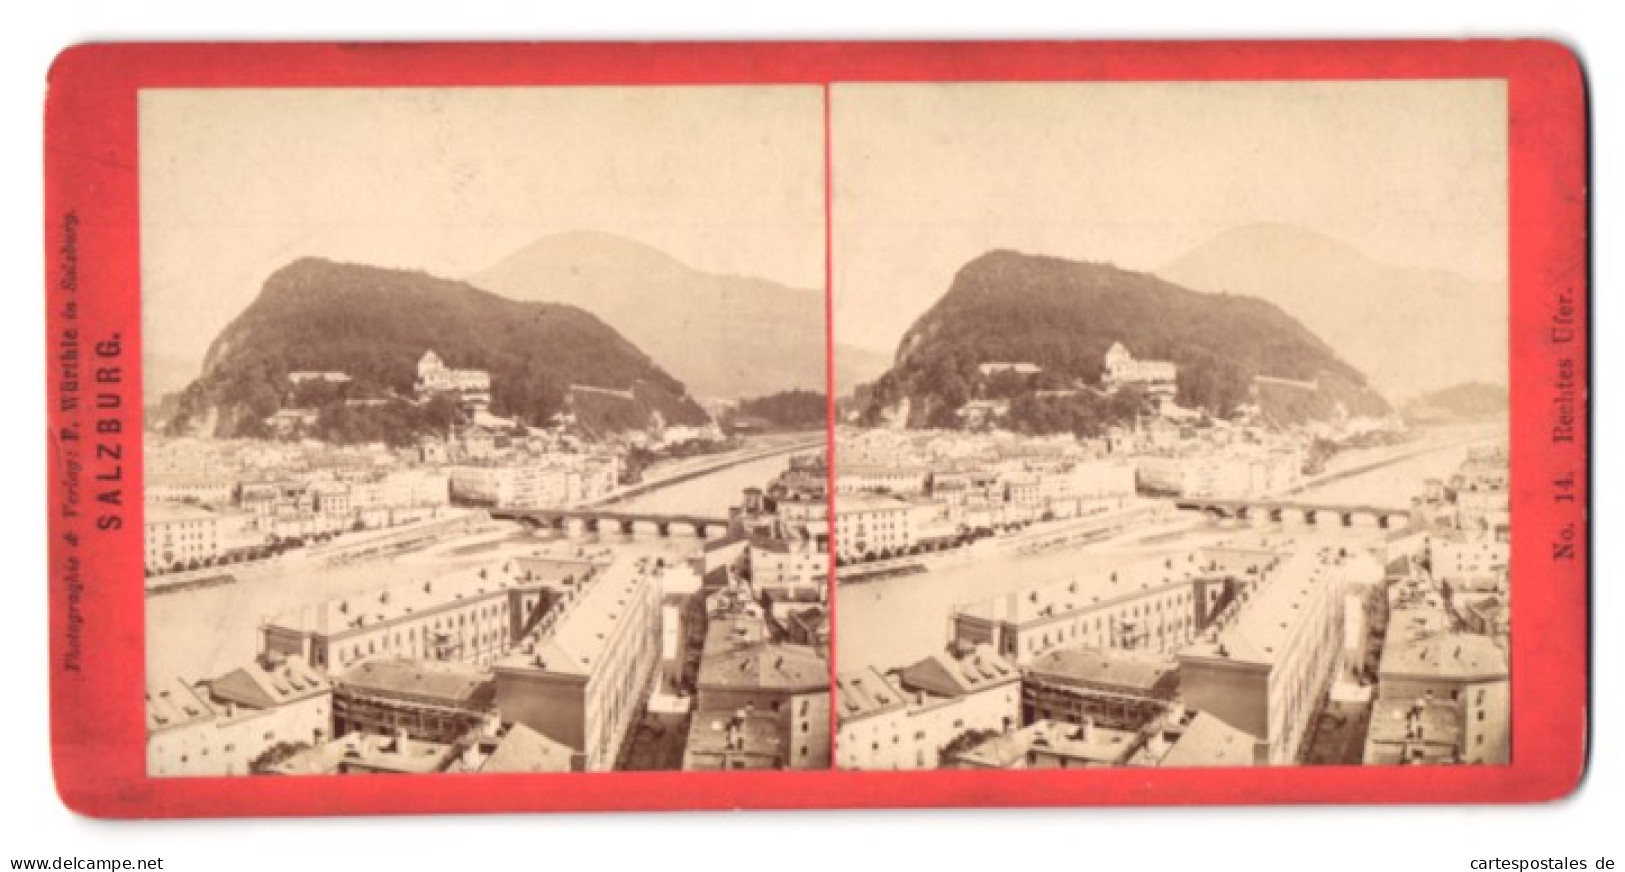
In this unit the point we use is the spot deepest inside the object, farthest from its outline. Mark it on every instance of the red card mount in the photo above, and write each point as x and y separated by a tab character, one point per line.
94	328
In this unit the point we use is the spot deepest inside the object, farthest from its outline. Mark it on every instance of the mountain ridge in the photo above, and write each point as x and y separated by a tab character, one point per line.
1063	315
374	323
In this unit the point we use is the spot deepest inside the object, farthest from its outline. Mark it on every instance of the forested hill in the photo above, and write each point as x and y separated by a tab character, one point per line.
788	409
374	324
1063	316
1470	402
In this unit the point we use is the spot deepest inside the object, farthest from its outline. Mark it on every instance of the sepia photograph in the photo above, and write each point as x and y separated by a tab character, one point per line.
485	429
721	426
1172	424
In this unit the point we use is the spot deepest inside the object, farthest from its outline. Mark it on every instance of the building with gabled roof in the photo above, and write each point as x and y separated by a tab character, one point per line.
789	683
743	739
766	668
1430	665
469	615
907	718
941	675
1409	732
222	726
808	626
1265	667
581	675
746	673
1156	605
867	693
1122	370
472	387
1051	745
522	749
367	754
1208	741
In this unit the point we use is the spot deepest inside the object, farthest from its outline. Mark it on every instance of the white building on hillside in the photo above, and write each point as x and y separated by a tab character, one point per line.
473	386
1122	370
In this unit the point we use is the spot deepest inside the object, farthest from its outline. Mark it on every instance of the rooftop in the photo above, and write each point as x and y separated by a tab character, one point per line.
873	468
525	750
1084	592
163	513
848	504
259	687
769	666
762	542
1406	724
946	676
866	693
370	753
1130	671
733	740
442	682
173	704
1452	655
1266	623
555	565
735	631
383	605
1208	741
814	619
573	642
1093	744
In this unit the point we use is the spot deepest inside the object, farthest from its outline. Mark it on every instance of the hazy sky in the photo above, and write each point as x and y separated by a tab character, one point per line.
927	177
236	183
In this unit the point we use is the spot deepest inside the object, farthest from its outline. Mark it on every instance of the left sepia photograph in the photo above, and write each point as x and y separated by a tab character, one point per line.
485	429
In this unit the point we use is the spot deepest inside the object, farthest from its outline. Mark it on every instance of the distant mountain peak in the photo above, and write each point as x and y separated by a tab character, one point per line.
588	251
1383	318
724	336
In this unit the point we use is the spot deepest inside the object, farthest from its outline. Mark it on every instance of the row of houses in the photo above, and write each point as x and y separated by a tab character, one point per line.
560	644
1216	658
762	699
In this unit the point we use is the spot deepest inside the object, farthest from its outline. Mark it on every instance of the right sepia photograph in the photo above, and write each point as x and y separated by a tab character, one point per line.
1171	424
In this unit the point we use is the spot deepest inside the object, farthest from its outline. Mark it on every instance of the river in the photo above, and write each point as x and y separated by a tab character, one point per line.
712	494
202	632
893	622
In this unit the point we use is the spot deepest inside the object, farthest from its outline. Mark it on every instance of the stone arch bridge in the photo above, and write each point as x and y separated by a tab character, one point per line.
577	521
1311	514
